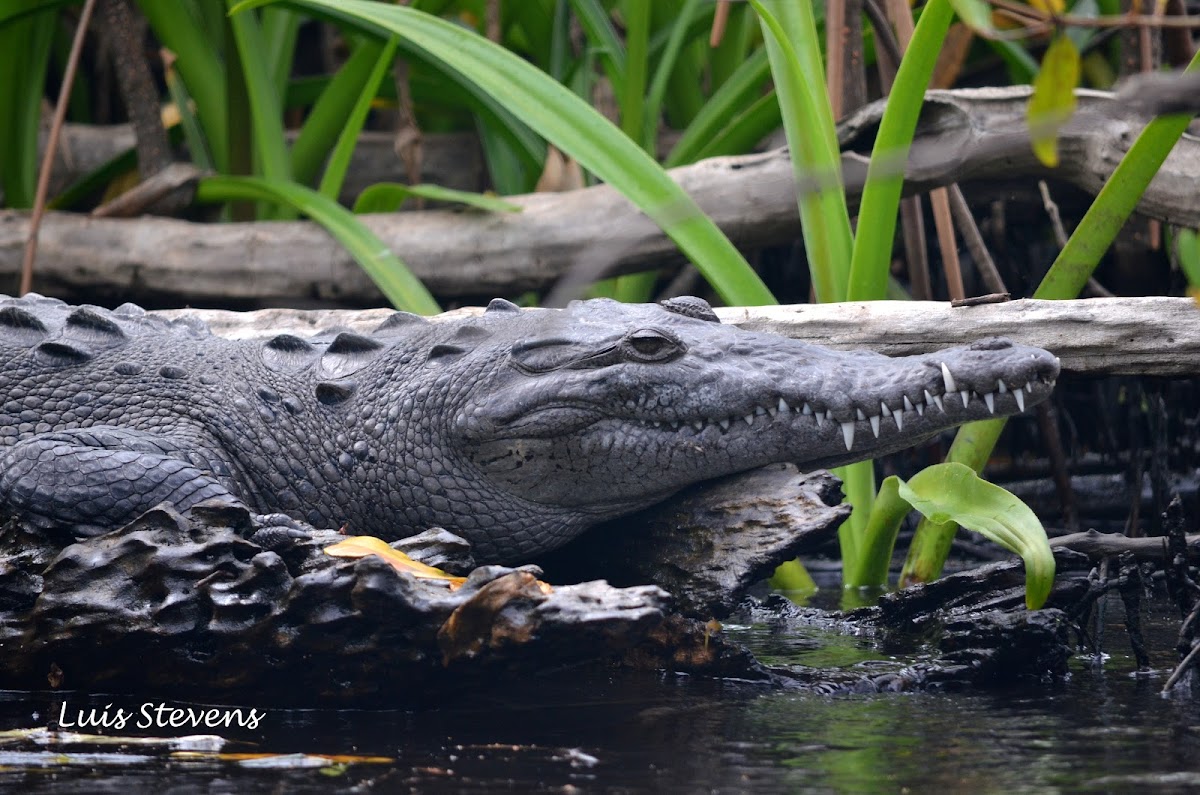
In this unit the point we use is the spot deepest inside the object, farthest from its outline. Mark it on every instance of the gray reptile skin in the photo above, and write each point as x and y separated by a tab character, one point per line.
516	430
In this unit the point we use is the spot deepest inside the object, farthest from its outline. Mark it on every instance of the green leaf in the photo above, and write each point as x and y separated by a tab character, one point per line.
1187	246
339	160
868	566
885	175
975	14
25	44
386	197
578	130
1053	99
603	39
328	115
392	276
266	109
200	66
736	96
792	46
954	493
1113	205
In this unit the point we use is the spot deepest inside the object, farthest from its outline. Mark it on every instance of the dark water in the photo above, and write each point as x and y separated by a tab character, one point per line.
1103	730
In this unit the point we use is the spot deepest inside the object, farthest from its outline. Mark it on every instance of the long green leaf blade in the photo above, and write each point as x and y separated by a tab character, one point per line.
339	160
392	276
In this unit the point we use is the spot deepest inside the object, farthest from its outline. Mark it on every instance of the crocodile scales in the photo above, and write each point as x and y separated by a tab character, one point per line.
516	430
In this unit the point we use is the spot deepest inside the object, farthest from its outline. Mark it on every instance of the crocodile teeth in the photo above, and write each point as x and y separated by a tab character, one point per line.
783	406
698	425
848	434
773	411
749	418
1020	396
759	411
1029	388
859	413
875	425
937	401
806	409
675	425
949	379
899	418
990	400
724	424
820	418
884	410
965	394
908	406
1001	387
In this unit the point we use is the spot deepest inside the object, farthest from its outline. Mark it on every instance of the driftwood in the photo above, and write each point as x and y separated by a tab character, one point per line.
964	135
1098	336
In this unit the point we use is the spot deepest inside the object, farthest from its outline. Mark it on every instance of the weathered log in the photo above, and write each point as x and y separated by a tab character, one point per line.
963	135
1098	336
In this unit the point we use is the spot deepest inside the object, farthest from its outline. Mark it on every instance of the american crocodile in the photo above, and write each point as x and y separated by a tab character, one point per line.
517	430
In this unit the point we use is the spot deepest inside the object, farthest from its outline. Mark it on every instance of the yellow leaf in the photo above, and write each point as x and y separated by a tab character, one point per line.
1053	99
1049	6
362	546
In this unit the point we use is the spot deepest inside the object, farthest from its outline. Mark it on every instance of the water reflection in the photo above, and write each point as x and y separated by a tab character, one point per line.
615	731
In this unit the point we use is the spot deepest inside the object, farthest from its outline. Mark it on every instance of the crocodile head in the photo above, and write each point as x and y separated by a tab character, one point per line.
604	408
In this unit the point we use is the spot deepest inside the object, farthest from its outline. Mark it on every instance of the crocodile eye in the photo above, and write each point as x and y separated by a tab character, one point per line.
651	345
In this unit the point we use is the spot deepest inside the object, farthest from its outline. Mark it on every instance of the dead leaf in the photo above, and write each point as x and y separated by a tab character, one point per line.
362	546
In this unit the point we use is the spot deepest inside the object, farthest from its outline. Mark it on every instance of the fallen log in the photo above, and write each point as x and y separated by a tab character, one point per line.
1098	336
966	134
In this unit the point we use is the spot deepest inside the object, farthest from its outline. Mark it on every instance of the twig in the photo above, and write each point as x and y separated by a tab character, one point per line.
1060	234
974	241
835	61
1183	667
720	18
60	115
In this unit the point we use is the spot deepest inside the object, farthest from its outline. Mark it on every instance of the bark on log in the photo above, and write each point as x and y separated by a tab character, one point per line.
964	134
1098	336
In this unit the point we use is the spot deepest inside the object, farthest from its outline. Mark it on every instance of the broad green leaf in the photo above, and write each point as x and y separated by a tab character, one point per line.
392	276
386	197
575	128
1053	99
975	14
954	493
